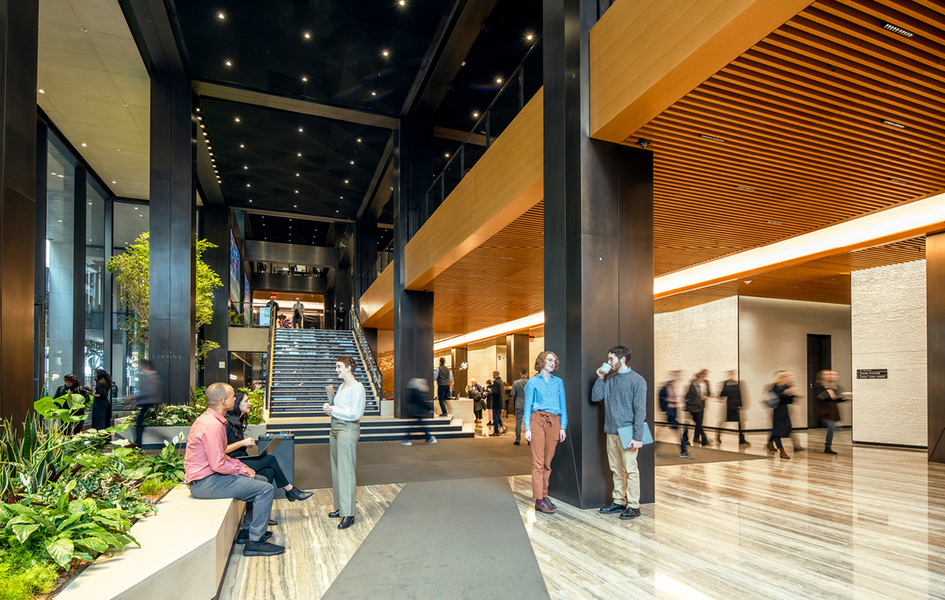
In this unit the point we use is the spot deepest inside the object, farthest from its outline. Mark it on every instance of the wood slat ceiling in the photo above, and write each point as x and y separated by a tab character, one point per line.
804	147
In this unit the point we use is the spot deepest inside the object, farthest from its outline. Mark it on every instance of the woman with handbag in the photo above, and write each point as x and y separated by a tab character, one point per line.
779	397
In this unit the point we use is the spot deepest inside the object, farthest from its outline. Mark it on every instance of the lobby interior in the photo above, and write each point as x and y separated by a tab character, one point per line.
484	179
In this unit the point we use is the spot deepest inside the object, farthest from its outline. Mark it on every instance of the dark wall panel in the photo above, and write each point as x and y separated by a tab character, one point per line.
935	290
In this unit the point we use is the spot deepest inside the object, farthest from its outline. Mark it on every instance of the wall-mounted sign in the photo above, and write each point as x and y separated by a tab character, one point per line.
871	374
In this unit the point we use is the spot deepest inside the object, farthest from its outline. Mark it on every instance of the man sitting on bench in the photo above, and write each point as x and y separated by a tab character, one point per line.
212	474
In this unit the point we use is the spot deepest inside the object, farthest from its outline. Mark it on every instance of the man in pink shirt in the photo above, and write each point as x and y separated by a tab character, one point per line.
210	473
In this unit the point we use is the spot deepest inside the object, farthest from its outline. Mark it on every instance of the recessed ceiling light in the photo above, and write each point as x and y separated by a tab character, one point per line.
299	154
385	53
83	144
352	162
402	2
893	124
245	167
745	187
242	145
447	154
237	119
307	35
136	208
296	191
42	91
250	200
198	109
297	175
341	197
529	37
221	16
358	140
898	30
228	63
294	206
774	222
113	181
711	137
498	80
346	181
204	133
304	79
898	181
300	130
248	185
475	113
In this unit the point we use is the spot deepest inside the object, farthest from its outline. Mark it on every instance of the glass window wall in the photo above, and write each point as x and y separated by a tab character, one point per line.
94	281
129	221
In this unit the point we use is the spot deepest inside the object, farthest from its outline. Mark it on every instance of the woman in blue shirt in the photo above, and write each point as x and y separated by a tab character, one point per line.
546	422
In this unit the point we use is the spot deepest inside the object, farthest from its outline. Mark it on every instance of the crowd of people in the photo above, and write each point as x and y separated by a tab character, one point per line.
675	398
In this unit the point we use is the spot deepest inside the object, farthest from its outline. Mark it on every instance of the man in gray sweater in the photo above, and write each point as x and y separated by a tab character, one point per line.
624	396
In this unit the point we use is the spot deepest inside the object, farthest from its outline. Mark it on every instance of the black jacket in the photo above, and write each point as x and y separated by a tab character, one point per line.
781	419
497	394
694	401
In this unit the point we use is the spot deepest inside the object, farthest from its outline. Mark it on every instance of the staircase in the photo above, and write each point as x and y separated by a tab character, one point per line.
373	429
303	363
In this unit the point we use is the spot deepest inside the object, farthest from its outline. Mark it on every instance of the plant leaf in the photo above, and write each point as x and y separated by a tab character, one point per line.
61	550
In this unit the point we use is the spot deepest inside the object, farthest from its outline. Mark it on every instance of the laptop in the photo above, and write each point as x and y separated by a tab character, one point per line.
272	445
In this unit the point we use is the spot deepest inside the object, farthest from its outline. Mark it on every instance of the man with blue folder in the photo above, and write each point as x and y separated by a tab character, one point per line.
624	394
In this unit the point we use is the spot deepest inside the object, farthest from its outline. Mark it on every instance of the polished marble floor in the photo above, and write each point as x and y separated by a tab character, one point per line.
867	523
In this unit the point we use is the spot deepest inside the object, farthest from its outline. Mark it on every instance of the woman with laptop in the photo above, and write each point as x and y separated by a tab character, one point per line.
265	464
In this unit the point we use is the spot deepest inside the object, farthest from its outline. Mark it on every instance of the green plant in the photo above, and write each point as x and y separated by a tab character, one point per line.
154	487
24	575
65	528
168	464
257	401
132	275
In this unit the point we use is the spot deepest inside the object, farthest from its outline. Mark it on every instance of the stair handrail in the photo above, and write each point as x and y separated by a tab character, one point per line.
374	372
269	374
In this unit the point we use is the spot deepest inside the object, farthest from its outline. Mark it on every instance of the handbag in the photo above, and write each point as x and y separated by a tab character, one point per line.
772	400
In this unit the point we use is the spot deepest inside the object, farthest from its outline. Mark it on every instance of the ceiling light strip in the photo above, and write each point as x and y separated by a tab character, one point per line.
535	320
901	222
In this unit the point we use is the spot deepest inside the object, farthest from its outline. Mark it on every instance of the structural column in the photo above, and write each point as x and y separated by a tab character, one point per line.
598	250
216	229
172	343
413	310
19	24
365	255
935	290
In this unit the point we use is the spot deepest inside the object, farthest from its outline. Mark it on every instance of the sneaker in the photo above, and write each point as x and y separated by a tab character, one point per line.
262	548
431	440
243	536
612	508
630	513
685	455
406	443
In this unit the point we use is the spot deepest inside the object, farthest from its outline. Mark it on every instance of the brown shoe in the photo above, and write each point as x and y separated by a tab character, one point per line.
770	447
543	506
784	454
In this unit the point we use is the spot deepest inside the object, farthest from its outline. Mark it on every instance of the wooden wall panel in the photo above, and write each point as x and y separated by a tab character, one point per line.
378	301
646	54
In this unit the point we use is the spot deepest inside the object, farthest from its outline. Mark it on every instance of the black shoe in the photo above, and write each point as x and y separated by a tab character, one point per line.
489	423
294	494
705	443
262	548
745	443
273	522
346	522
335	513
799	449
630	513
612	508
829	450
516	443
243	536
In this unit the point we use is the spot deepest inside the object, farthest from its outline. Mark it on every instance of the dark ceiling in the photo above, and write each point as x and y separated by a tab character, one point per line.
342	62
289	230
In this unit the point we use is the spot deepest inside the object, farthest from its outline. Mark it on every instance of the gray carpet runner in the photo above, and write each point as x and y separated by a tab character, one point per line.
462	538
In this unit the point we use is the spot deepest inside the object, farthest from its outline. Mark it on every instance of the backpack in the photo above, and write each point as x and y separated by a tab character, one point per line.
664	398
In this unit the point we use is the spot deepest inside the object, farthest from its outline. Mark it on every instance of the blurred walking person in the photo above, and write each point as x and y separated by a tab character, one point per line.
672	401
779	398
827	394
732	393
518	397
419	408
699	392
102	404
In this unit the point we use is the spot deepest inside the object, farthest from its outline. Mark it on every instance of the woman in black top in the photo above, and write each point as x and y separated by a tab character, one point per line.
783	389
267	466
102	404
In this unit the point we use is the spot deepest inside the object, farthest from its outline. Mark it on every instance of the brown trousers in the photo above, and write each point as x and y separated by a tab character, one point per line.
546	431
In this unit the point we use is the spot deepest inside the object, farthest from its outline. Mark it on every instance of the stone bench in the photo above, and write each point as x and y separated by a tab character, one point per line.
184	551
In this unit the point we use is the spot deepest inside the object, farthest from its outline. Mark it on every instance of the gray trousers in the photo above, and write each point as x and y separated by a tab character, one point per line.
519	418
343	445
257	491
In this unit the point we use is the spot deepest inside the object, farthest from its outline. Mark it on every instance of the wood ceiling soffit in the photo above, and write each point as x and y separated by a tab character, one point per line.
673	47
377	302
505	182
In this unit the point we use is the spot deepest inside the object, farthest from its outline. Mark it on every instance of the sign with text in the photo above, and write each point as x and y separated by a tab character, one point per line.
871	374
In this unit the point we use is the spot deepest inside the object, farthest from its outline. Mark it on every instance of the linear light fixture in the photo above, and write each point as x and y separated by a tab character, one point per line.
897	30
711	137
884	227
535	320
893	124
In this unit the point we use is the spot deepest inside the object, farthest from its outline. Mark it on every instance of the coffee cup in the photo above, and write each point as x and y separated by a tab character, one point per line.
605	368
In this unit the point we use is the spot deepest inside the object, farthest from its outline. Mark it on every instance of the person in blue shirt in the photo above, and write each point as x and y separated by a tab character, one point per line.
546	422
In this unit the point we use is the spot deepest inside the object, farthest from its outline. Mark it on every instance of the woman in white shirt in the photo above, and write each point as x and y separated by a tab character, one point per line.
345	415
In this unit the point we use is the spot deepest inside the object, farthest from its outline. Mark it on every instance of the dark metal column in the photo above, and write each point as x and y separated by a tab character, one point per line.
172	343
413	310
39	270
80	216
935	290
460	375
598	250
516	356
19	25
215	222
